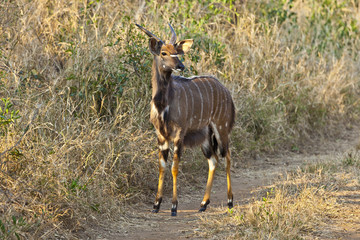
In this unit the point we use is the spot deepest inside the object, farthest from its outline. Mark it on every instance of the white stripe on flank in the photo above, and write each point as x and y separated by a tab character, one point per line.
223	98
207	98
220	101
211	99
186	100
192	106
217	102
202	102
179	112
226	101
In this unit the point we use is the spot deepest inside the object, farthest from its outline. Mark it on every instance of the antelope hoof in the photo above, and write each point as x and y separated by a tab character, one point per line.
230	203
157	205
202	209
204	205
174	208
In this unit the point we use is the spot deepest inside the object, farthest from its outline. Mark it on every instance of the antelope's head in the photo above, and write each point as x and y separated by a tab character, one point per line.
167	54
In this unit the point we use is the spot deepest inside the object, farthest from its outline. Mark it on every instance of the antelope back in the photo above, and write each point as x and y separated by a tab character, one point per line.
200	101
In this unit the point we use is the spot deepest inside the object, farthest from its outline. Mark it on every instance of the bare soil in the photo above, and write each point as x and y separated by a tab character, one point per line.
247	178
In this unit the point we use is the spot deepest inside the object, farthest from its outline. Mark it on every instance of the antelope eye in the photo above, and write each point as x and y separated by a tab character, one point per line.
163	53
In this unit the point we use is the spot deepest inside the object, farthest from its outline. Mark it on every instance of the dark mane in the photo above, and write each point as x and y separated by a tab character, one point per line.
180	78
185	79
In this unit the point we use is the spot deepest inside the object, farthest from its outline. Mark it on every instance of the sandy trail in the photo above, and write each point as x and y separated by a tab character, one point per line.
259	173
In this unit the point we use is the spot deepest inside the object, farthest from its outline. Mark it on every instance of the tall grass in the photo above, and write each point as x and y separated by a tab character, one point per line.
79	75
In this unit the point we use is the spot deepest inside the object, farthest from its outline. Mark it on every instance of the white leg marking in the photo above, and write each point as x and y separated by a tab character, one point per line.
165	146
203	202
212	163
162	163
154	112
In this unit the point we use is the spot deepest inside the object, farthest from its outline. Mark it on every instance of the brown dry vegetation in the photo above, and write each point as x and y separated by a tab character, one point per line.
78	73
318	201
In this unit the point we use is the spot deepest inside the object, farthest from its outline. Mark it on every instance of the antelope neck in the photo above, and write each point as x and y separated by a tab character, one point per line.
161	80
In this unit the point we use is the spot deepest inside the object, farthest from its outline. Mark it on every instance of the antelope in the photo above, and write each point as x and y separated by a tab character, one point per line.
189	112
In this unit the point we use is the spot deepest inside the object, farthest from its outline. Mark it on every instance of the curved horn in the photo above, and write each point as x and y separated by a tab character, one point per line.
150	34
173	36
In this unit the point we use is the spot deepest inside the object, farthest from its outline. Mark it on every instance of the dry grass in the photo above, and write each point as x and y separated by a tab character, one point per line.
79	73
317	200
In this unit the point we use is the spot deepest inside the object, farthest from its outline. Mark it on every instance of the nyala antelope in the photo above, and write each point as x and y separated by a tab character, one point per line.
190	112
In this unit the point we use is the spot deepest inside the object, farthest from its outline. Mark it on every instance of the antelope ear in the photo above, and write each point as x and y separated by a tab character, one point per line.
155	46
184	46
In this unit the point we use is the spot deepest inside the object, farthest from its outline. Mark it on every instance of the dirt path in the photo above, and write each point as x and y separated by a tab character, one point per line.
261	172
